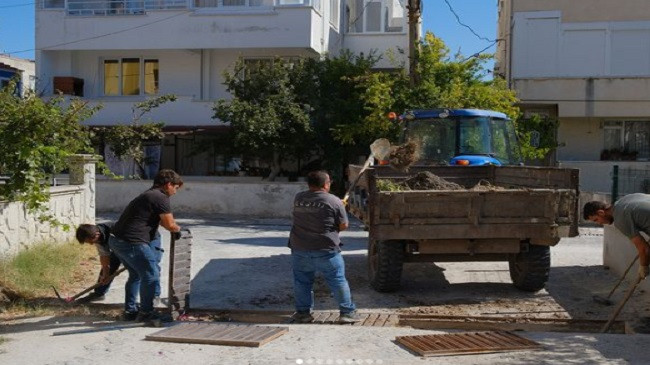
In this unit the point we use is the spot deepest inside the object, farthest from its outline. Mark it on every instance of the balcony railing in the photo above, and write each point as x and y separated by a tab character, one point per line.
140	7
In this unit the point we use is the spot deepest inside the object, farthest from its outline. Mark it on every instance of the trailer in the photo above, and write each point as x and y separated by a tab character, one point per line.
523	212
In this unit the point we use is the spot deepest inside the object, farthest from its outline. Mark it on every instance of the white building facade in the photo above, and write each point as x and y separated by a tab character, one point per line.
586	63
118	52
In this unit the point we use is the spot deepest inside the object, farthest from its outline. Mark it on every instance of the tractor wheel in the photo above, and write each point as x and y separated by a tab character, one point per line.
529	270
385	261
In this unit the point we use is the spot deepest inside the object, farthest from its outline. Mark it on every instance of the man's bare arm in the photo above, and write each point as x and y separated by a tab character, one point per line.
642	247
168	222
106	263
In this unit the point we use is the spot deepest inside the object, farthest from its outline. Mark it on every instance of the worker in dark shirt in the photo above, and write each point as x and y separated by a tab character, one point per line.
98	235
131	239
318	217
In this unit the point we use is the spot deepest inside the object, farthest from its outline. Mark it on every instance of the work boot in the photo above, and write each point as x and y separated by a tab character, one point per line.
154	319
302	317
350	317
92	297
129	316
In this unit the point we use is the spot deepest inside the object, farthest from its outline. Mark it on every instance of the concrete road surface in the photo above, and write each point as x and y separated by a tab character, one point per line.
244	264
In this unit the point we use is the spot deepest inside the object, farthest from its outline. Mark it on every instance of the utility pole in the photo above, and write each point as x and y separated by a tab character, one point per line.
414	14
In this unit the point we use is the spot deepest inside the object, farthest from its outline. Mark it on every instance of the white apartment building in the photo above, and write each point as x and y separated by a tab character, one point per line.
587	63
118	52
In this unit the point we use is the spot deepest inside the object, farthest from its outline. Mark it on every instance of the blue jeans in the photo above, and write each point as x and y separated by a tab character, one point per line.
306	264
112	268
156	245
141	262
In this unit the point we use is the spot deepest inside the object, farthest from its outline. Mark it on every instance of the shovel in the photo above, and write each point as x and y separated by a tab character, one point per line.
618	309
606	301
379	149
97	285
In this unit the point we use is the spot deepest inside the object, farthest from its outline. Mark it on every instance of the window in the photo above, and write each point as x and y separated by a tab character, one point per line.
613	133
373	16
334	13
226	3
53	4
628	136
130	76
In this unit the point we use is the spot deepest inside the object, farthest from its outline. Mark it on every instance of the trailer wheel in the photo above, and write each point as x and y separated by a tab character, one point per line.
529	270
385	261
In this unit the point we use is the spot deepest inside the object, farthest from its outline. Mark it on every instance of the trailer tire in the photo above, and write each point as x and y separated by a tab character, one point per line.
529	270
385	262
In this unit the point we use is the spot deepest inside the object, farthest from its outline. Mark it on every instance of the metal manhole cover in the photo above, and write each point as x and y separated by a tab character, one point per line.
219	334
466	343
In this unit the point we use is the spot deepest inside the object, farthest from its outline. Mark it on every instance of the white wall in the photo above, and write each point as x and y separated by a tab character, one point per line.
579	139
208	196
381	43
596	176
545	46
618	252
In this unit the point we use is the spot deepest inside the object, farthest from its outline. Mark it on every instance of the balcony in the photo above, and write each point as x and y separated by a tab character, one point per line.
141	7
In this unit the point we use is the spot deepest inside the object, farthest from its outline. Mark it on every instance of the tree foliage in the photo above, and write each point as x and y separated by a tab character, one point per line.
127	140
346	101
36	137
267	116
537	136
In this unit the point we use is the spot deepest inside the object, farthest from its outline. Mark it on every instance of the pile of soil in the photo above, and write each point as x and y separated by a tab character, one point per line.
428	181
485	185
403	156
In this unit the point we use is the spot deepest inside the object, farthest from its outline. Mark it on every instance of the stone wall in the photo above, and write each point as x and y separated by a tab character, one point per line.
71	204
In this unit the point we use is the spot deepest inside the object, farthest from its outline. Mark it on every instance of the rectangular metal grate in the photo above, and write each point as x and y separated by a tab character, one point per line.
218	334
466	343
180	265
366	319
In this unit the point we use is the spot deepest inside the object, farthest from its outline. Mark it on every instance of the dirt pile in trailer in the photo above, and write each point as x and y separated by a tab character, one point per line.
426	180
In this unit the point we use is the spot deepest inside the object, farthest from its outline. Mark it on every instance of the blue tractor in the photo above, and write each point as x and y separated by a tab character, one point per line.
461	137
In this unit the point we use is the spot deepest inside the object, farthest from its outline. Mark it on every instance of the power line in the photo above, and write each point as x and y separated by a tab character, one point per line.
16	5
476	54
101	35
465	25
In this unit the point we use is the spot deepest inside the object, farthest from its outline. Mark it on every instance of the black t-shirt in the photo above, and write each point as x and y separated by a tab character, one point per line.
140	220
316	219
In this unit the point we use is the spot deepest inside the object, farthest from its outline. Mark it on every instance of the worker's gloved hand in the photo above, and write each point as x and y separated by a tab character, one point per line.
176	235
643	272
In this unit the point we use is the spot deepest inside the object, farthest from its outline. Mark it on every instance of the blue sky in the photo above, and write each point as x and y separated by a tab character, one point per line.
17	24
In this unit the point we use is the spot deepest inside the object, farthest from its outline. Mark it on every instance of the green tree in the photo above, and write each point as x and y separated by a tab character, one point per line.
127	140
334	87
538	136
36	137
449	82
267	117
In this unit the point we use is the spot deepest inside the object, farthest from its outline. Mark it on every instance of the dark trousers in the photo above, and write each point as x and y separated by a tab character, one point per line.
112	268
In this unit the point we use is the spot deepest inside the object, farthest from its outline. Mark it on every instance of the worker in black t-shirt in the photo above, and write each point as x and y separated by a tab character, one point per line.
98	235
130	240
